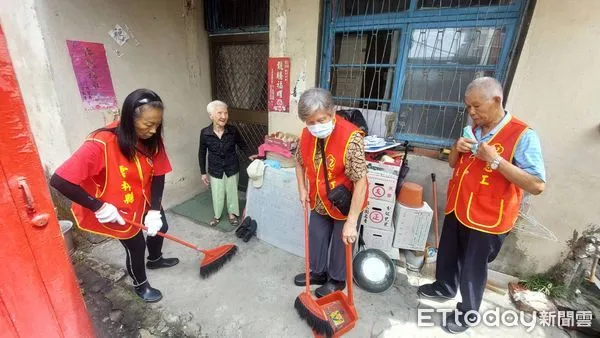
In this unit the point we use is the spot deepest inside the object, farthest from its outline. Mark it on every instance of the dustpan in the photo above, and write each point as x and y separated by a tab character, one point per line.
339	306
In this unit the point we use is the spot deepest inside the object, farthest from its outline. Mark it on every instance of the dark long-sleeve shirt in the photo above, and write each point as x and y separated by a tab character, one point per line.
222	156
76	194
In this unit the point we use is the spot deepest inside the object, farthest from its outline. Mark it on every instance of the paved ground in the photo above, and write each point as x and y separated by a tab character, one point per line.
116	312
253	295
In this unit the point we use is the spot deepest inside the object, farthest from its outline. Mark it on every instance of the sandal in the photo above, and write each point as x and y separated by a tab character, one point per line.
214	221
234	221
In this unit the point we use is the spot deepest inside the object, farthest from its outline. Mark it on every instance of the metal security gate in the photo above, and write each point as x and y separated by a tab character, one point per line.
406	63
239	78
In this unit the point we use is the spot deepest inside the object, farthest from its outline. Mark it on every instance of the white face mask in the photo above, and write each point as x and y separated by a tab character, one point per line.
321	130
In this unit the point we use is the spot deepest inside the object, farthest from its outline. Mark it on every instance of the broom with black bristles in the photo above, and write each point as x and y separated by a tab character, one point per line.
213	260
305	305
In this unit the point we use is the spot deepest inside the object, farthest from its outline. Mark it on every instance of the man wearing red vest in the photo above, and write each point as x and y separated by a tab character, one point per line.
484	197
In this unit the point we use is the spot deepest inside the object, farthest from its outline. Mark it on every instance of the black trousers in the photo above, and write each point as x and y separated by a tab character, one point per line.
462	261
326	248
135	249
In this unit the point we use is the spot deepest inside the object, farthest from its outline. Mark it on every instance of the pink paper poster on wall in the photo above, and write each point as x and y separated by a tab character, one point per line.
93	75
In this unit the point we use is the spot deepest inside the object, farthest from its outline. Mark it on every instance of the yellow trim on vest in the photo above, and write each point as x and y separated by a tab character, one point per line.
98	233
323	157
105	167
512	155
460	184
482	225
347	144
479	229
314	154
470	164
141	174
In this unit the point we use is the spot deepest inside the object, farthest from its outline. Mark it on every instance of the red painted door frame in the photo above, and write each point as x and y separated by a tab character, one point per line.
39	293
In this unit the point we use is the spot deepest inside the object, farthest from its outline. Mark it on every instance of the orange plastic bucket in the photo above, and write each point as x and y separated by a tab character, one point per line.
411	195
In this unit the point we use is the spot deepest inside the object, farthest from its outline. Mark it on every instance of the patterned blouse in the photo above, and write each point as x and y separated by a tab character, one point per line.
356	165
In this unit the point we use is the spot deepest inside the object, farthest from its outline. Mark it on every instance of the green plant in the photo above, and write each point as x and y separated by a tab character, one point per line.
545	284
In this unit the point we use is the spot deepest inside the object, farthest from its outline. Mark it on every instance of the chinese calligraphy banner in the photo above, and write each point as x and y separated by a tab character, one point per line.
279	84
93	75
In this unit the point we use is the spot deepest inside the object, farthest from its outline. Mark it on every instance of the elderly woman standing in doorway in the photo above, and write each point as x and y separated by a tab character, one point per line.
118	175
332	223
219	140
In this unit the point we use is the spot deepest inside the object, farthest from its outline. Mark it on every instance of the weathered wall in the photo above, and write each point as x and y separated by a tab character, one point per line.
294	32
27	48
172	59
555	90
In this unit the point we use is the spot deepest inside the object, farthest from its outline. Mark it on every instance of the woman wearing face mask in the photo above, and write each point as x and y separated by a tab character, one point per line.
117	175
333	220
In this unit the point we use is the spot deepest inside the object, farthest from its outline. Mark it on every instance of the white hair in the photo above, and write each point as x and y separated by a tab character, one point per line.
314	100
489	86
212	107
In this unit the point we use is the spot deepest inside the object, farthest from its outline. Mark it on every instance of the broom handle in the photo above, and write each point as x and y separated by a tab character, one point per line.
435	209
306	262
167	236
349	274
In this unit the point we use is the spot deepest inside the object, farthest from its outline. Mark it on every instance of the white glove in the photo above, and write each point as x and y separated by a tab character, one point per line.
153	222
108	213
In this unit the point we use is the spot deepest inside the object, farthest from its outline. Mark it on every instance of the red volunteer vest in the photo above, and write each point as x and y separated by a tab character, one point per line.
335	150
482	198
123	183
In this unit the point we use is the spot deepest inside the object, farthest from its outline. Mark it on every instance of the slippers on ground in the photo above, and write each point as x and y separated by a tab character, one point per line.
242	228
214	221
250	231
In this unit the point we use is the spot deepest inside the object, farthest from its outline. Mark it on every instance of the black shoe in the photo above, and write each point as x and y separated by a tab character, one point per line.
315	279
148	293
250	231
455	326
429	291
329	287
162	263
242	228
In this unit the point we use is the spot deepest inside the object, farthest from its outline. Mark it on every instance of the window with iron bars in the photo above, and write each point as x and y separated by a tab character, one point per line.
406	63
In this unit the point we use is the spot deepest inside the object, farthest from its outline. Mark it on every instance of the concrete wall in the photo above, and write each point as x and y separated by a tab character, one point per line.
172	59
294	32
27	48
555	90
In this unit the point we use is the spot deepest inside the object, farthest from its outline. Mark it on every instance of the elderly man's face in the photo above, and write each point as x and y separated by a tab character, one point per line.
481	108
220	116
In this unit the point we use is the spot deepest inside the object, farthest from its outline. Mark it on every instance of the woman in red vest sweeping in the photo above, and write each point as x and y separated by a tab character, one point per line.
118	174
335	209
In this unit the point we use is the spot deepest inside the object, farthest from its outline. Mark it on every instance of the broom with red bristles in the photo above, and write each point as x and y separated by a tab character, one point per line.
307	307
214	259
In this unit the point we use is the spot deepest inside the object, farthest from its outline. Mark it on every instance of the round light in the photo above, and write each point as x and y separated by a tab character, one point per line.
374	269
